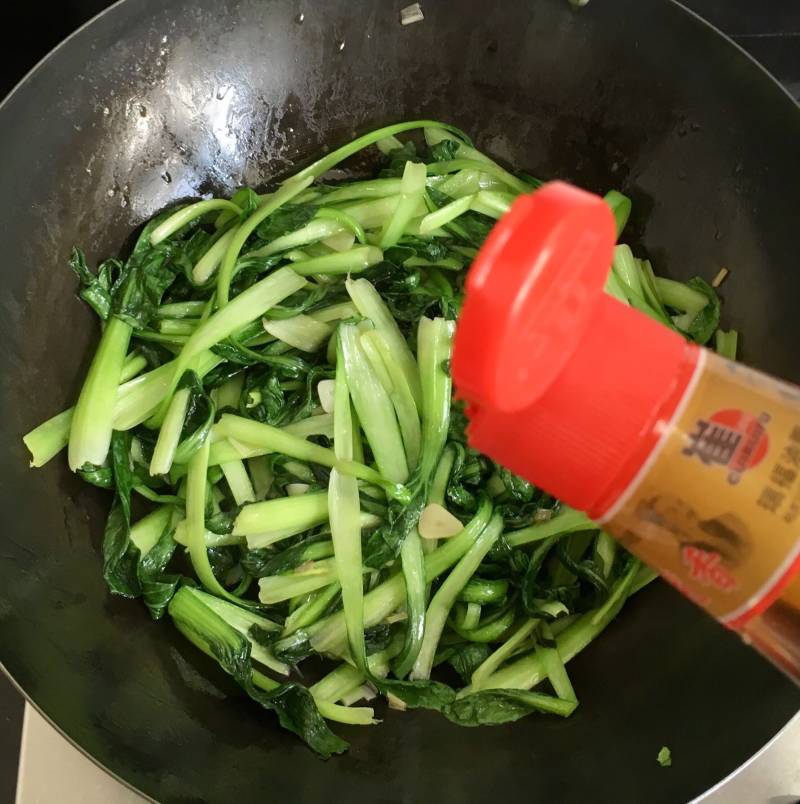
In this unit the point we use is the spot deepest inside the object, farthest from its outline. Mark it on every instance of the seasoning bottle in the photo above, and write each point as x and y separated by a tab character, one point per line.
690	460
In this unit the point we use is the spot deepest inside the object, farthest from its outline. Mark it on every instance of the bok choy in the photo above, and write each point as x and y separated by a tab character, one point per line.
270	404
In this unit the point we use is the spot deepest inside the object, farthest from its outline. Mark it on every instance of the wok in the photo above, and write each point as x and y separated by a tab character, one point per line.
154	102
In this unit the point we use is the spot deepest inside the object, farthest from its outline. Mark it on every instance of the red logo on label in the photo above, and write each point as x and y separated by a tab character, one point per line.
731	438
706	567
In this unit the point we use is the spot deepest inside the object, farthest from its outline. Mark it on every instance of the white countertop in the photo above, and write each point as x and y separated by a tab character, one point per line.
52	770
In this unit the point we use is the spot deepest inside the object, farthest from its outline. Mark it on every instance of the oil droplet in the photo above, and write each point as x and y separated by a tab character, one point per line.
158	62
166	178
341	46
106	111
299	18
110	193
164	39
89	170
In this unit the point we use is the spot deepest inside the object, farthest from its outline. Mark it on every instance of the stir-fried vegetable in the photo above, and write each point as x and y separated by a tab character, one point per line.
271	395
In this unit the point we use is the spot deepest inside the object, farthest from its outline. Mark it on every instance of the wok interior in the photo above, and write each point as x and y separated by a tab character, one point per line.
157	102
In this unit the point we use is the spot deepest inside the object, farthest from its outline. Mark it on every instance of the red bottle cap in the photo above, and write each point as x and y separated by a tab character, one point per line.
564	384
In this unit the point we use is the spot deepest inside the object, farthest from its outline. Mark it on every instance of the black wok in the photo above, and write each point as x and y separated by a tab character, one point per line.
158	101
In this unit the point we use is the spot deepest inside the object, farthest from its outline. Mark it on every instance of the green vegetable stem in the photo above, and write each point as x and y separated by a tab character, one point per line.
270	406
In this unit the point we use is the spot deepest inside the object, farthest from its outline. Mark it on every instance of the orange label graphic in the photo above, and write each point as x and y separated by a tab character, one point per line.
717	508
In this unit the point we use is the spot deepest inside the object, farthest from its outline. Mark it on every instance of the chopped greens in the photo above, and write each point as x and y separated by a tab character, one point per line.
271	396
664	757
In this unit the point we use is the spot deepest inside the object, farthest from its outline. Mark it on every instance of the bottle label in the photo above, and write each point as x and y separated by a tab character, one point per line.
716	509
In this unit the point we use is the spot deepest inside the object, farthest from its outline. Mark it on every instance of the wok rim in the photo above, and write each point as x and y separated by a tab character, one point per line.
696	19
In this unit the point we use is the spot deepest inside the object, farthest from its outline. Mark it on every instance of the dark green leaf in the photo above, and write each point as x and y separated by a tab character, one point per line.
221	522
225	564
587	570
493	707
147	274
518	488
254	561
158	586
444	150
377	638
397	255
262	636
437	198
120	558
472	228
293	648
404	291
432	250
264	398
468	474
418	694
250	269
154	353
290	366
383	544
297	712
532	588
95	290
305	300
265	562
705	323
371	505
199	418
396	160
466	658
291	702
221	374
100	476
